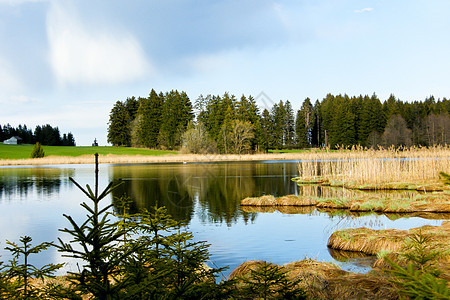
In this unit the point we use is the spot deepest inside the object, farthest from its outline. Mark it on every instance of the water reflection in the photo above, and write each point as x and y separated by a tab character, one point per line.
217	188
319	191
23	181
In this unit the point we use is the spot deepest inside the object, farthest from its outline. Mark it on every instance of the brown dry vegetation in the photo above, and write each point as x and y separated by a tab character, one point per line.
430	202
290	200
281	209
371	241
392	243
322	280
379	169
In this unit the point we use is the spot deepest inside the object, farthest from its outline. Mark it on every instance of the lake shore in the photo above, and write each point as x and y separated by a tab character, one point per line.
136	159
69	156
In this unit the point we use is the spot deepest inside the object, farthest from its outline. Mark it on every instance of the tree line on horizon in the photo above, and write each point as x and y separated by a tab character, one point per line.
227	124
45	135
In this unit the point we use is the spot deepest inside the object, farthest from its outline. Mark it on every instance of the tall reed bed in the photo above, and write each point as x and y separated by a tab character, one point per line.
374	167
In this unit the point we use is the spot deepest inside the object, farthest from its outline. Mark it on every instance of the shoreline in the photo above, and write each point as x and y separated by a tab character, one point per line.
313	155
136	159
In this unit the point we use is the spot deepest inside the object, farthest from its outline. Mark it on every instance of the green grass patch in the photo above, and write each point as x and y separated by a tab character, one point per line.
372	205
399	205
339	202
24	151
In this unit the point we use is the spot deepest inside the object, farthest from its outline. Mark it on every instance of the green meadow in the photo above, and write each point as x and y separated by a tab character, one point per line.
24	151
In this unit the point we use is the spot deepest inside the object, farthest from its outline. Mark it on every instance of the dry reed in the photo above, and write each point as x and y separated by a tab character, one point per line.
375	168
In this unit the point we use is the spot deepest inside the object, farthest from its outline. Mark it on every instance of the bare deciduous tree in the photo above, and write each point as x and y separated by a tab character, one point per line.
397	133
437	129
240	136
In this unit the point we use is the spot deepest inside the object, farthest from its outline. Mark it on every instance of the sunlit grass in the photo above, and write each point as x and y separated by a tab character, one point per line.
24	151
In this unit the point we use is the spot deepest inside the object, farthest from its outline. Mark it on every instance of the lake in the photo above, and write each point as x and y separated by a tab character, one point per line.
205	195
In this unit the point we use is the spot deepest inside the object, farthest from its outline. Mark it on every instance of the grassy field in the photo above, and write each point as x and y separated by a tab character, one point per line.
24	151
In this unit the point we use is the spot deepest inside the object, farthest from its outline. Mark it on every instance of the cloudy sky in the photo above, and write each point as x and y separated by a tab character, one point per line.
66	63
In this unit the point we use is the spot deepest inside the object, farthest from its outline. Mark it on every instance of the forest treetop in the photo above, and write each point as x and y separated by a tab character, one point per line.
227	124
45	135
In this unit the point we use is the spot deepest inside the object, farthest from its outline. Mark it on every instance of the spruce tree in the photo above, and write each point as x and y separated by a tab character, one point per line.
95	243
150	119
118	125
300	129
37	151
289	125
18	275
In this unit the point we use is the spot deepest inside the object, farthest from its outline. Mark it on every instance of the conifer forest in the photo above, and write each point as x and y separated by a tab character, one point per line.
228	124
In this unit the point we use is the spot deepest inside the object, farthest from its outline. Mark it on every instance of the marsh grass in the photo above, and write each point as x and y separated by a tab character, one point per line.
438	202
371	241
324	280
374	169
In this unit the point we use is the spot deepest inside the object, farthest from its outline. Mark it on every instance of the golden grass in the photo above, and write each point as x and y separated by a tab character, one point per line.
281	209
293	200
290	200
260	201
373	169
323	280
372	241
438	202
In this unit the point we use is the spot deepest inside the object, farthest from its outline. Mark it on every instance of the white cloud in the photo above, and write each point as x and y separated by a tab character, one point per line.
8	79
19	2
17	100
79	54
11	88
364	10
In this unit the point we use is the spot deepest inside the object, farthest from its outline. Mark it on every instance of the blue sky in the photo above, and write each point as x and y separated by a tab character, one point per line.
66	63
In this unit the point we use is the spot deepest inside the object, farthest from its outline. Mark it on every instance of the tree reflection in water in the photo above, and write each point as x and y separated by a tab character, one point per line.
217	188
22	181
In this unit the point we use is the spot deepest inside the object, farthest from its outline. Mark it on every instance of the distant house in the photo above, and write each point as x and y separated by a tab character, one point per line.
15	140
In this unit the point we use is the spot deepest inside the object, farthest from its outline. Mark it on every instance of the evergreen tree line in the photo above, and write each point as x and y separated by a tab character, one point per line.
157	121
45	135
226	124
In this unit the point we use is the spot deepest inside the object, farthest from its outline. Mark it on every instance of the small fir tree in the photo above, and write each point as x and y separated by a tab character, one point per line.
102	275
269	281
420	278
18	274
38	151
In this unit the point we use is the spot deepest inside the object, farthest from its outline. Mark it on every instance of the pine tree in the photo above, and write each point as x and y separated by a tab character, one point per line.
118	126
304	124
21	273
176	114
264	138
300	129
96	239
317	133
269	281
38	151
150	118
289	125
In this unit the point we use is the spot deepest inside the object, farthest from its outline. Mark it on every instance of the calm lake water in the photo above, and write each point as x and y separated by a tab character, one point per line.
205	195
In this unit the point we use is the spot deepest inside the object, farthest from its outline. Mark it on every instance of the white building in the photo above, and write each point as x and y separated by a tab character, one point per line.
15	140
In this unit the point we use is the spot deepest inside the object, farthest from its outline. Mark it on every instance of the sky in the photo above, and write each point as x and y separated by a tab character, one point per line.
65	63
